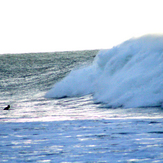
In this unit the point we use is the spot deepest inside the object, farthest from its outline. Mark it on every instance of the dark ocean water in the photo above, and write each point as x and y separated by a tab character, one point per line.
25	78
73	129
23	74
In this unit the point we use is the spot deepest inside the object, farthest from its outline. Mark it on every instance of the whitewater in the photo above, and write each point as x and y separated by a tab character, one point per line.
128	75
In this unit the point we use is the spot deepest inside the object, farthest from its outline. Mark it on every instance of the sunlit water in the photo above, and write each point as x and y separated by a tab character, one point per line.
74	129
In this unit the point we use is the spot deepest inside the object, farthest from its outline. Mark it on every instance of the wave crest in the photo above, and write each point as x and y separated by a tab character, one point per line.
128	75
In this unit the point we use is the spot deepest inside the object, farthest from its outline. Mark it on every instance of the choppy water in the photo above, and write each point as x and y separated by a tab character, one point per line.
74	129
119	140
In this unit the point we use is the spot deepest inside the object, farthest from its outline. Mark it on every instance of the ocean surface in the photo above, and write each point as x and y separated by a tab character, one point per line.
83	106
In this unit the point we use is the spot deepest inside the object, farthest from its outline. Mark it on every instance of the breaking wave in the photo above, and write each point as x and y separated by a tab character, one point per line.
128	75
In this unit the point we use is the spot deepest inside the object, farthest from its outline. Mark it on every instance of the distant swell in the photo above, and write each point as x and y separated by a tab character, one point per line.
128	75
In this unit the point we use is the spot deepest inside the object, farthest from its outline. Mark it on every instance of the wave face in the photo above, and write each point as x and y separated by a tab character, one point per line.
128	75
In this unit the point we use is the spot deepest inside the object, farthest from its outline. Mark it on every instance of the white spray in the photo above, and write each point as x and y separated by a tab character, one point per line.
128	75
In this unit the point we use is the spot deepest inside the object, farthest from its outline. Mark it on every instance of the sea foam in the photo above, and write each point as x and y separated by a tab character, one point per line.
128	75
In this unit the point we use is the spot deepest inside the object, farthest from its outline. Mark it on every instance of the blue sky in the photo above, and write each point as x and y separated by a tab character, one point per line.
59	25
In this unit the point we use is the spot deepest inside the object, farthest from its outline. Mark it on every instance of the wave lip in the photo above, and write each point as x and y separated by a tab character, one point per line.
128	75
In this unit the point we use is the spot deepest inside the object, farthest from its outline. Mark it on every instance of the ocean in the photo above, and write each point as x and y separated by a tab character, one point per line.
83	106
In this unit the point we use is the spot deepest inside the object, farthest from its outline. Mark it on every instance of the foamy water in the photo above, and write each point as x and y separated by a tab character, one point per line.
128	75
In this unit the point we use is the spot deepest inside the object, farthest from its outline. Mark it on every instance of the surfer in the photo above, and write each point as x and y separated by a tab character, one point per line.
7	108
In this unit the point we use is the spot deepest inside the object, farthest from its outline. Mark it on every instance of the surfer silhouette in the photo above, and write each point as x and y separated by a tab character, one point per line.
7	108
